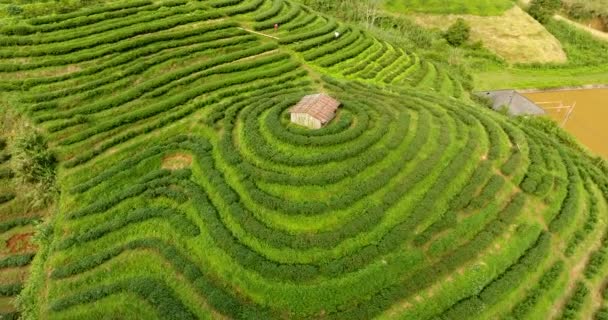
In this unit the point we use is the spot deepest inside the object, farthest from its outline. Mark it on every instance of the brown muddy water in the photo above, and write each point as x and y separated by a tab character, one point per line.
584	113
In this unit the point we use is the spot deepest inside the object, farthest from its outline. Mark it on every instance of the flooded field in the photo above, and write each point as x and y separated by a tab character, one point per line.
583	113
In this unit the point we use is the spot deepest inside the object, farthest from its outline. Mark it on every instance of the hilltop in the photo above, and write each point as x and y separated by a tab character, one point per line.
186	193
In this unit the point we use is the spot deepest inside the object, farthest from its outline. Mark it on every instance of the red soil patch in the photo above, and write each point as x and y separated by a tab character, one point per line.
21	243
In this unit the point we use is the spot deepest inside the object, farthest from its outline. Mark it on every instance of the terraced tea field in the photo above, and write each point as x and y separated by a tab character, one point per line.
187	193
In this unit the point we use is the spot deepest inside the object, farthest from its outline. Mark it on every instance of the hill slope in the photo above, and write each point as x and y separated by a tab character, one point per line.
186	192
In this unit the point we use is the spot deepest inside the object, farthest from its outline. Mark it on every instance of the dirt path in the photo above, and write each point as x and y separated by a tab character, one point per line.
596	33
259	33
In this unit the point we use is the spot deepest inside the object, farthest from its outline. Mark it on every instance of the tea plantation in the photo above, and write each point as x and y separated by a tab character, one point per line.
186	193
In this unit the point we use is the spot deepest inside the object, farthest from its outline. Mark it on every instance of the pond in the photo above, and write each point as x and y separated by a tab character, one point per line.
584	113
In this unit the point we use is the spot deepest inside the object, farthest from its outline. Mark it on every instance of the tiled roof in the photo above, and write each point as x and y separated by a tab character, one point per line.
319	106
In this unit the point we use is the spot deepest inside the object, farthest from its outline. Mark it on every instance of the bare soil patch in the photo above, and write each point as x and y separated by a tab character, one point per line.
177	161
20	243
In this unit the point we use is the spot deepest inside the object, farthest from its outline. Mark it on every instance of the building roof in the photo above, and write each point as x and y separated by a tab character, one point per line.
319	106
516	103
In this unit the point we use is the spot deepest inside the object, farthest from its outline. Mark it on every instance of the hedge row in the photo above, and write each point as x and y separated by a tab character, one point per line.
134	190
215	294
306	19
41	34
178	220
105	9
18	222
502	285
173	101
16	260
570	206
329	27
124	46
213	40
365	63
181	113
149	86
398	69
575	302
428	275
286	17
155	292
537	181
386	60
597	258
449	219
331	48
416	78
277	5
6	197
546	282
517	273
489	192
182	39
222	3
582	233
10	290
115	36
344	55
515	162
240	9
496	143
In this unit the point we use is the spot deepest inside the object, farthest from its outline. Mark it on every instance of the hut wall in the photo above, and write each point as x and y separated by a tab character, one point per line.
305	120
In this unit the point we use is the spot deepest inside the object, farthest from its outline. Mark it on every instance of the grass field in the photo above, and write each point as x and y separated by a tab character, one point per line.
587	64
186	193
474	7
514	35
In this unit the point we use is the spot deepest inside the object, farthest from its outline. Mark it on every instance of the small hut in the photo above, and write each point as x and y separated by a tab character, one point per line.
314	111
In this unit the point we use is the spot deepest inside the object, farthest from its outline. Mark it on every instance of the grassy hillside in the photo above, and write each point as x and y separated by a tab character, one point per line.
513	50
476	7
587	64
514	36
21	209
186	193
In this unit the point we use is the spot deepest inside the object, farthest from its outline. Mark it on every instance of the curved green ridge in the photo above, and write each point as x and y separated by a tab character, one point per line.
186	188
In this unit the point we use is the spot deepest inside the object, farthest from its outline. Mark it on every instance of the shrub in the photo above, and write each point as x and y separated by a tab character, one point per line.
14	10
35	164
458	33
543	10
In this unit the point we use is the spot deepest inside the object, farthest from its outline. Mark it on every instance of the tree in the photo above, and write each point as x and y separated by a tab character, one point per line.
458	33
543	10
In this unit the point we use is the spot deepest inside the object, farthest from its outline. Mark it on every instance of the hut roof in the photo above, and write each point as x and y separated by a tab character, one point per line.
320	106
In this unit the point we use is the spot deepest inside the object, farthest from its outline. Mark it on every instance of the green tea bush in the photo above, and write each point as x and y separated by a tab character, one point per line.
151	290
575	302
546	282
16	260
9	290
